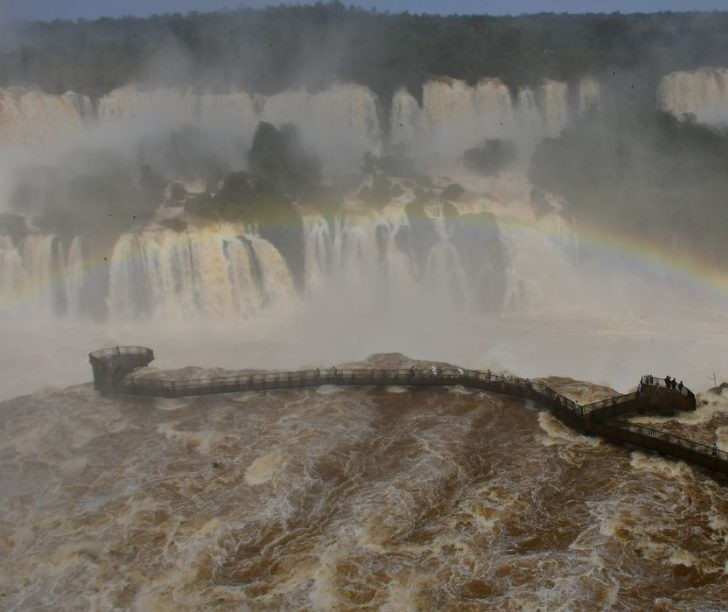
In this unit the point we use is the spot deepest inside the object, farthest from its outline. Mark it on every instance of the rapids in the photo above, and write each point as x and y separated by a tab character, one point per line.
376	498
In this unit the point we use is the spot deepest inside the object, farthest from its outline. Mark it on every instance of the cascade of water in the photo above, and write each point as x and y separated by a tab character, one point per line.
701	93
529	116
554	101
43	269
358	254
216	272
444	270
589	95
462	261
493	107
405	121
11	271
29	116
74	278
385	258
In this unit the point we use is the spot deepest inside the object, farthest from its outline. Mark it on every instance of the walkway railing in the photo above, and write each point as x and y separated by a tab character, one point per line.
121	350
692	445
113	372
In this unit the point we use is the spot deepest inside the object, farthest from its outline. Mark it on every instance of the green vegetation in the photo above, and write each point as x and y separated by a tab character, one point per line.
647	175
13	225
291	46
491	157
106	196
189	153
279	157
280	171
175	224
453	192
241	197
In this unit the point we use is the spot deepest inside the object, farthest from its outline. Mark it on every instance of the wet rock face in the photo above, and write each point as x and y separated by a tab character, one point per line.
287	236
478	253
418	237
480	250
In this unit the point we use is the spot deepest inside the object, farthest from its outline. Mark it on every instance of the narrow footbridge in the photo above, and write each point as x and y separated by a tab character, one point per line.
114	368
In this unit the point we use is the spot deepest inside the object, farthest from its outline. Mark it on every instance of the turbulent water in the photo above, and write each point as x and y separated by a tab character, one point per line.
327	499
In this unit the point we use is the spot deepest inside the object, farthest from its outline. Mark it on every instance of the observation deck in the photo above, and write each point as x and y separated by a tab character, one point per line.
113	370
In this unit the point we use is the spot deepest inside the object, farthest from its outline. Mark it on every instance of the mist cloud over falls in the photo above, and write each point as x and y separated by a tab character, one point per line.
399	203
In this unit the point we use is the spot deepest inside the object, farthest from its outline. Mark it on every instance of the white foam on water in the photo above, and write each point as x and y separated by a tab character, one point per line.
264	468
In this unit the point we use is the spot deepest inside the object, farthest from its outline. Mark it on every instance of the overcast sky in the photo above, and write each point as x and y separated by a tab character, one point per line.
13	10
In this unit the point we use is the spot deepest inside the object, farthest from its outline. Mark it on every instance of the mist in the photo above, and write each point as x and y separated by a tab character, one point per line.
323	187
376	214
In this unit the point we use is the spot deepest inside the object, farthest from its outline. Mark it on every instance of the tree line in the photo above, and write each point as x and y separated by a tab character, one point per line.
283	47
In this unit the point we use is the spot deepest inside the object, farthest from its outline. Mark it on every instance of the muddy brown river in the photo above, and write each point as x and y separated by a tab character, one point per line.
365	498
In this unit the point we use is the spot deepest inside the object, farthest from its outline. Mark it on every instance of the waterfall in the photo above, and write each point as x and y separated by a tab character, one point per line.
11	272
74	278
554	103
33	278
358	252
28	116
450	107
493	107
385	258
701	93
145	105
218	272
456	115
348	108
432	258
43	266
405	120
528	113
589	95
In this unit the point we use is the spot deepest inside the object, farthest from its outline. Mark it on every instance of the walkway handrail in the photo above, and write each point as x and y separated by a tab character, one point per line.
610	401
120	350
653	381
114	372
693	445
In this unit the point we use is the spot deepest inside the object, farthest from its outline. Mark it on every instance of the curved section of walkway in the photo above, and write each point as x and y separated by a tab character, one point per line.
115	375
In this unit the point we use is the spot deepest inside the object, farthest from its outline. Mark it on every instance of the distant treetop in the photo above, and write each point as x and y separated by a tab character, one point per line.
273	49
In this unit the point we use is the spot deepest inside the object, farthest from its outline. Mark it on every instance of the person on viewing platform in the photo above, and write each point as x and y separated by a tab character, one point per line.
680	386
667	381
434	370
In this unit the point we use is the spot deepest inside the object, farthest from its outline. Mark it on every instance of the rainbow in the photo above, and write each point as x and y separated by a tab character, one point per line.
619	248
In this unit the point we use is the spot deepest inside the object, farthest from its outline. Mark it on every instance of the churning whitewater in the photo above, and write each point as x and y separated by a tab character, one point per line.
315	186
389	498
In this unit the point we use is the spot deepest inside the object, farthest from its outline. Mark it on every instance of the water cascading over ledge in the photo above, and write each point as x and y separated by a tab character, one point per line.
351	111
382	259
215	272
